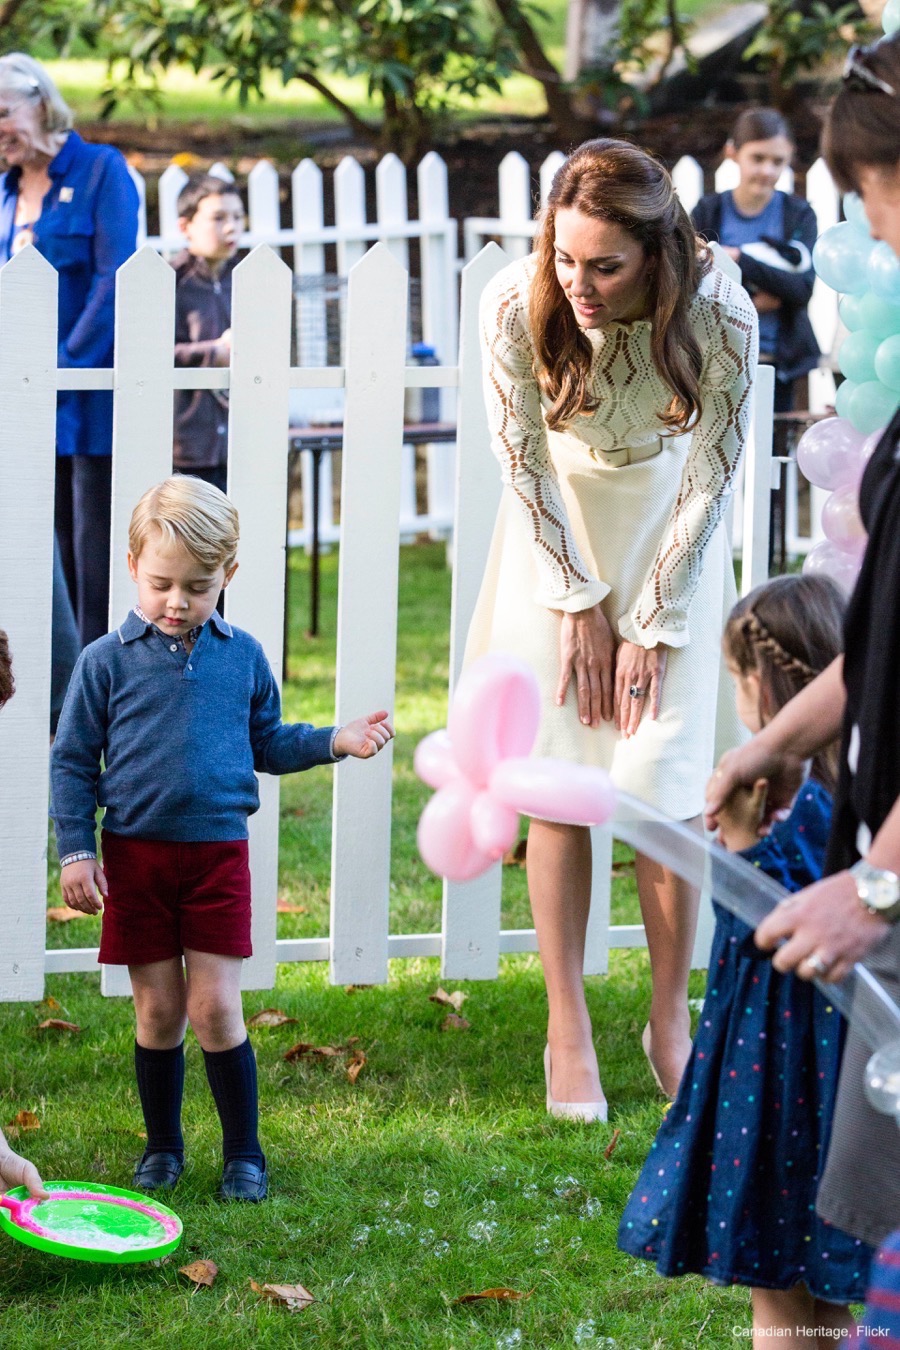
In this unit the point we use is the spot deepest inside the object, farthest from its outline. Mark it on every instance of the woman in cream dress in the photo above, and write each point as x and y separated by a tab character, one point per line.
618	368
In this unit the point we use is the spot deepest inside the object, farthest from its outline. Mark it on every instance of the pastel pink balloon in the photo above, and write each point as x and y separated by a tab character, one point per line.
869	446
554	789
433	760
827	453
445	834
841	520
495	713
494	825
827	560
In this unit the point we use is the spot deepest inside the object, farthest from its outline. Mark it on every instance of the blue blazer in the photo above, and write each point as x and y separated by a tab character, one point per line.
86	230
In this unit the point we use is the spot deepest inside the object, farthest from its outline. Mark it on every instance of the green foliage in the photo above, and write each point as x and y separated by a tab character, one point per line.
415	55
796	39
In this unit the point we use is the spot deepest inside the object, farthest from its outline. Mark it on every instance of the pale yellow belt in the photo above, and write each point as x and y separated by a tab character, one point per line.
629	454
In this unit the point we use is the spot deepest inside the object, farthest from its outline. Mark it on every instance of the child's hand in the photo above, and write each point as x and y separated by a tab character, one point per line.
84	886
223	349
364	737
17	1171
741	816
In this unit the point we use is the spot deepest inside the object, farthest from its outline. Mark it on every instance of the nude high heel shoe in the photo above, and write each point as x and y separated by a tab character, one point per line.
587	1111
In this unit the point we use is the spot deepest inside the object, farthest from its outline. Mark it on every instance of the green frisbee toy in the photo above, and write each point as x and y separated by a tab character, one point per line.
86	1222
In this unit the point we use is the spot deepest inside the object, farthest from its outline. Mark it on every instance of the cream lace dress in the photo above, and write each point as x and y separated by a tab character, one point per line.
611	511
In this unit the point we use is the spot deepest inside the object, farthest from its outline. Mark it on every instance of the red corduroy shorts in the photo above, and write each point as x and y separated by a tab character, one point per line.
165	897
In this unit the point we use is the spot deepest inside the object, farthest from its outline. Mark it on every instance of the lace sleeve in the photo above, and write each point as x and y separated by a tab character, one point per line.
519	440
726	325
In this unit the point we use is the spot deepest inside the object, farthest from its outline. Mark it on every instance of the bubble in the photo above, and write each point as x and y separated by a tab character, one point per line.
489	1206
530	1190
585	1332
592	1208
360	1236
440	1249
384	1204
565	1185
574	1243
509	1339
498	1174
426	1237
432	1199
482	1231
542	1246
399	1229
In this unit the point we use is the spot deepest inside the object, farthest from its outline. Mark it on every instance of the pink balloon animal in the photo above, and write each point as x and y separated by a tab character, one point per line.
484	777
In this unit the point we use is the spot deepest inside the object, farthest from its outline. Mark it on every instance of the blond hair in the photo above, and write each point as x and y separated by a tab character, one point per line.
23	78
189	513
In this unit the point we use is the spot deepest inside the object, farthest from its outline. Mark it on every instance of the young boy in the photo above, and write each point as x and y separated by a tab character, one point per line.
182	708
211	216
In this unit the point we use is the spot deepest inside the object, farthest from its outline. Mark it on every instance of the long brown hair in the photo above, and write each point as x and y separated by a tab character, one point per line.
786	632
861	126
614	181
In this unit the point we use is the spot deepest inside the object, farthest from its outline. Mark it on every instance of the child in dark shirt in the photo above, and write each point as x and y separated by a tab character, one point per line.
211	216
183	710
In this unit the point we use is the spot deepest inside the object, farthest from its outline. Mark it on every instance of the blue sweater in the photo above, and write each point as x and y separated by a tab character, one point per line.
180	739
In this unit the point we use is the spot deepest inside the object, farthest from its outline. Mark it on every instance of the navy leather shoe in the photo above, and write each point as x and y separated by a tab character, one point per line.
242	1180
158	1171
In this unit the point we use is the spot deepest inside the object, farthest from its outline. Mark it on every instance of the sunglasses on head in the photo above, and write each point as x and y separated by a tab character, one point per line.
858	78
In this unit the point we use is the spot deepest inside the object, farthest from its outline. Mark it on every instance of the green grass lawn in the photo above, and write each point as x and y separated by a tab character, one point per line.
437	1174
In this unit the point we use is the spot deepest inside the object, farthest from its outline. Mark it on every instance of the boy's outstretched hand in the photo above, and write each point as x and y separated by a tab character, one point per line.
84	886
18	1171
364	737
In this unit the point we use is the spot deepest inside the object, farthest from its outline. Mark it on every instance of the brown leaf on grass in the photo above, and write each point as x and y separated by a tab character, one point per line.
269	1017
304	1048
50	1004
453	1022
26	1120
611	1146
454	1000
355	988
498	1294
54	1024
200	1272
515	857
285	907
355	1064
62	914
292	1296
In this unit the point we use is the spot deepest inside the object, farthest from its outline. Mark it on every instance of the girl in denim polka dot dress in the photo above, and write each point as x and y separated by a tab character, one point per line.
729	1187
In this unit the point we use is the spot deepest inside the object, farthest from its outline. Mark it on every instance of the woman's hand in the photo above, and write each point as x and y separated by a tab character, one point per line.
587	648
638	668
741	768
823	930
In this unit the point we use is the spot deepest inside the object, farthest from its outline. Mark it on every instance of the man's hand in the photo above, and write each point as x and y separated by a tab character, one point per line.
743	767
824	930
364	737
84	886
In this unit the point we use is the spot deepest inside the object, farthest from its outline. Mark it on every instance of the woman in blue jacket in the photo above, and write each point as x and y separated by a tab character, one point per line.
770	235
78	205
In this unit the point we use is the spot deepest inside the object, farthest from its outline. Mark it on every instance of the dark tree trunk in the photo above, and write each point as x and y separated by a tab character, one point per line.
538	65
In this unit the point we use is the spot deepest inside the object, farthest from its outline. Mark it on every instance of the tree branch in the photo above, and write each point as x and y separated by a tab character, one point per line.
368	130
8	11
537	64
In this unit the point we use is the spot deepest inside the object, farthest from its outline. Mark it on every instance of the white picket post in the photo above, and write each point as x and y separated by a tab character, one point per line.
220	170
28	308
391	204
758	482
687	177
349	211
142	431
437	255
470	921
264	207
514	177
171	181
549	169
367	612
141	186
257	484
822	196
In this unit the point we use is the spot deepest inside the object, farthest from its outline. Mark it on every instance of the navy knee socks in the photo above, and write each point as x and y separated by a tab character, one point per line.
232	1079
160	1080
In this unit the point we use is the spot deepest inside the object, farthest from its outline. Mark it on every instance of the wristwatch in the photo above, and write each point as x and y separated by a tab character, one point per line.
878	890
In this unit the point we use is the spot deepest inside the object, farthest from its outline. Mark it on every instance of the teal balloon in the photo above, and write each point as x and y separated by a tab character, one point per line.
890	16
878	315
848	308
845	392
840	258
854	211
887	362
871	405
883	272
857	356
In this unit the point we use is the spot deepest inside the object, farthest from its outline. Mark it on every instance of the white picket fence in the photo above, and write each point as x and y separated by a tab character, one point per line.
352	234
373	376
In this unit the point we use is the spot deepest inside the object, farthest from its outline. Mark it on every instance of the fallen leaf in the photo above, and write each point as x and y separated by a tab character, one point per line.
515	857
200	1272
62	914
611	1146
304	1048
50	1004
355	1064
54	1024
453	1022
293	1296
269	1017
355	988
285	907
454	1000
493	1293
26	1120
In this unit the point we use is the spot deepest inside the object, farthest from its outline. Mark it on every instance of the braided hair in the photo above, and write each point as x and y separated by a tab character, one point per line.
786	632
